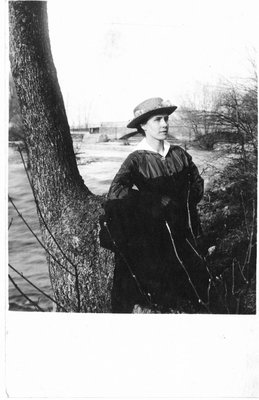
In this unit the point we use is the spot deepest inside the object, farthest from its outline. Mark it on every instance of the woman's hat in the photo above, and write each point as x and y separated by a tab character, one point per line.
148	108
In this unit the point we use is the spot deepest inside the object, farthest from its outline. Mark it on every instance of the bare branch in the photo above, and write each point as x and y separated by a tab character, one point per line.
185	270
24	295
36	237
36	287
10	224
244	210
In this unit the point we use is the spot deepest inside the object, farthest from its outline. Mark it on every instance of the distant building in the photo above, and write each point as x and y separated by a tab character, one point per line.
115	130
94	128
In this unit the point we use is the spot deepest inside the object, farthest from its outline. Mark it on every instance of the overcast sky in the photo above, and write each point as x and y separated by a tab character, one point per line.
112	54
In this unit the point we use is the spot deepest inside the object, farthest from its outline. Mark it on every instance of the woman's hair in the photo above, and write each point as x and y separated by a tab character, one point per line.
141	131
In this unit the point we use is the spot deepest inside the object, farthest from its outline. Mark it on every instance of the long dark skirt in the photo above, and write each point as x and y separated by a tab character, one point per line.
164	271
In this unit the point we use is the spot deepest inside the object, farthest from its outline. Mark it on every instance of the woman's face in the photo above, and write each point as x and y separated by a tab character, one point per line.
156	127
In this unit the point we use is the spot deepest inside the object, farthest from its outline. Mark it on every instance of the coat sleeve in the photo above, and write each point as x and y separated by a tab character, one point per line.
122	184
122	189
196	182
127	209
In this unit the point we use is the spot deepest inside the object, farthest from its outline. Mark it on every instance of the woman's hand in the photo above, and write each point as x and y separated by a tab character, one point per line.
165	200
158	209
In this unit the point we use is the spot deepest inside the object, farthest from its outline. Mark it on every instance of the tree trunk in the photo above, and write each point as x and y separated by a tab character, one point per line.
68	211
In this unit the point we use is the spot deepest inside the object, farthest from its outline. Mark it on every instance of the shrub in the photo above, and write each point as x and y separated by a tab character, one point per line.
228	216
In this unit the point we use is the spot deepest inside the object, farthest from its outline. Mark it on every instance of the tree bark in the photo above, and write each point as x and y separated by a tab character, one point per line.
68	211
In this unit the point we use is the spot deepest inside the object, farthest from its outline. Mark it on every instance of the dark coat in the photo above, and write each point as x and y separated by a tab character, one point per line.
136	220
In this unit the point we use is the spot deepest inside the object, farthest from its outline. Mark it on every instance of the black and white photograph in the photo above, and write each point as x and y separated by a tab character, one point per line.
131	195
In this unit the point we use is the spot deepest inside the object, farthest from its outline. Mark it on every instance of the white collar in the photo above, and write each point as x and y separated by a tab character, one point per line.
143	145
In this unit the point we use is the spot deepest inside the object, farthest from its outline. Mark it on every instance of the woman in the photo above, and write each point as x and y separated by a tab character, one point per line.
152	219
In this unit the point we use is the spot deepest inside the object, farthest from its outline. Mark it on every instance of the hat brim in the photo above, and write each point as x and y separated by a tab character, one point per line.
143	117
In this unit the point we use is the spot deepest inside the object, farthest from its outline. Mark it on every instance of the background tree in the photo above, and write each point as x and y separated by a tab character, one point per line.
199	117
226	113
80	270
237	113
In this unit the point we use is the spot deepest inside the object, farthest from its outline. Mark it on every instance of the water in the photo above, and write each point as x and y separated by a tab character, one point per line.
97	163
25	254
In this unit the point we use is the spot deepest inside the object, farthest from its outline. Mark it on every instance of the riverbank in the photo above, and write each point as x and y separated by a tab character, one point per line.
97	162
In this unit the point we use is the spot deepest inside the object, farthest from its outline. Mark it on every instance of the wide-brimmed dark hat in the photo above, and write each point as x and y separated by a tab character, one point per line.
148	108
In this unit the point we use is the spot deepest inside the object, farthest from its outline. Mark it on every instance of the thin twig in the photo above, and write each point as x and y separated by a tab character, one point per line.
233	277
36	287
189	214
241	272
250	245
252	234
36	237
244	209
10	224
225	295
219	293
185	270
208	292
23	294
77	290
246	258
194	250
